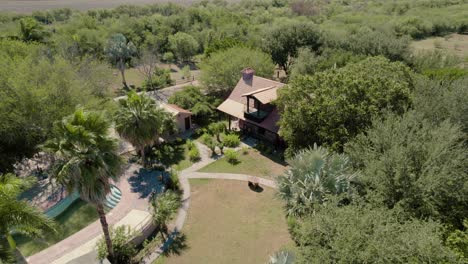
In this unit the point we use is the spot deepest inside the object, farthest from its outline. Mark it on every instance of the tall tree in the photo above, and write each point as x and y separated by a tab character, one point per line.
164	207
332	107
365	234
284	40
147	64
142	122
120	52
414	165
31	30
313	175
87	160
36	91
222	70
17	214
183	45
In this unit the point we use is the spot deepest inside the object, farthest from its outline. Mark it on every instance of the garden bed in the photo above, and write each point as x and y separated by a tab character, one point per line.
252	163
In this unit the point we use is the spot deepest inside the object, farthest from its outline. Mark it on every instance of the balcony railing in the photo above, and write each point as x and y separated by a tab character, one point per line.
255	115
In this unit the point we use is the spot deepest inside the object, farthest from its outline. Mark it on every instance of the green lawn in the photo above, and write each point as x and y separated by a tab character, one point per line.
79	215
253	163
229	223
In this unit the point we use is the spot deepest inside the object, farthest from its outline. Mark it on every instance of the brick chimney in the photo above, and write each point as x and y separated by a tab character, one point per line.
247	75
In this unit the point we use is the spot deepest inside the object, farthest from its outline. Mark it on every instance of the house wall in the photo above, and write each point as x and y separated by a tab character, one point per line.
259	132
180	120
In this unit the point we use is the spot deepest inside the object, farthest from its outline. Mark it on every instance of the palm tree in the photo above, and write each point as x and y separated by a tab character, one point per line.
164	207
87	160
313	175
140	121
282	257
18	215
119	52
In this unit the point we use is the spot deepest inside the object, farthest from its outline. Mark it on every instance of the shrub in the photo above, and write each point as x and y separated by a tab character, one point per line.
174	180
161	78
190	144
168	57
232	156
206	139
124	250
245	150
194	154
231	140
216	129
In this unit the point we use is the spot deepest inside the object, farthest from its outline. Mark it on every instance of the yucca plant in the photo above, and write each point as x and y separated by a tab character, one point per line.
282	257
314	174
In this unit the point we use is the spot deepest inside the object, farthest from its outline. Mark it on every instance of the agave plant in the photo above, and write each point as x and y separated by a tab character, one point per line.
314	174
282	257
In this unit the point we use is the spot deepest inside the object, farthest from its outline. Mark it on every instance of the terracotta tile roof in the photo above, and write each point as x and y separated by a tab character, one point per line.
257	83
263	89
233	108
175	108
265	95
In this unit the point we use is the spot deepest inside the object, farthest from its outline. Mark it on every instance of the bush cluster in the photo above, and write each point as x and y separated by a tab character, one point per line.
231	140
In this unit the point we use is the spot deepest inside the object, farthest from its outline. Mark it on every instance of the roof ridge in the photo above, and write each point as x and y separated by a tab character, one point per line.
260	90
269	79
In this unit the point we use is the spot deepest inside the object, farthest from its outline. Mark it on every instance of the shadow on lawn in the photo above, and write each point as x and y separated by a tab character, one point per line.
176	243
255	187
168	153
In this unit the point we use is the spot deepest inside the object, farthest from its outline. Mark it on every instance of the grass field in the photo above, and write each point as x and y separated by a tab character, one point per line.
229	223
79	215
253	163
454	43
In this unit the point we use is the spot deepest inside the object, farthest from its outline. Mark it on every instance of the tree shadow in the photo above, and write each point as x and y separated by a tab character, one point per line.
175	244
169	154
147	182
255	187
268	150
191	65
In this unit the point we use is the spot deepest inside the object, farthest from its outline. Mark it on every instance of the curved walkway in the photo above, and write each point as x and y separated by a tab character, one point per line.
136	189
191	173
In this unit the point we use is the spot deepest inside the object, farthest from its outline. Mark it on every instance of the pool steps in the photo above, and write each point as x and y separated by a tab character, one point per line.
113	198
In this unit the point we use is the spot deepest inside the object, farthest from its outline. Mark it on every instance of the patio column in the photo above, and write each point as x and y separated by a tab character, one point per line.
258	107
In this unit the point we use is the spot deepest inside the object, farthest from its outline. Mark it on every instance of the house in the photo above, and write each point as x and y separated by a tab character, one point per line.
249	106
183	117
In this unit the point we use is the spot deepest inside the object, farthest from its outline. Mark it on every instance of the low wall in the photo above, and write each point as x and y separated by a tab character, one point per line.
62	205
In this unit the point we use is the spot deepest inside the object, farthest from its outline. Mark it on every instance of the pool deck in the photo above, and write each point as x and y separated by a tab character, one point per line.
136	186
